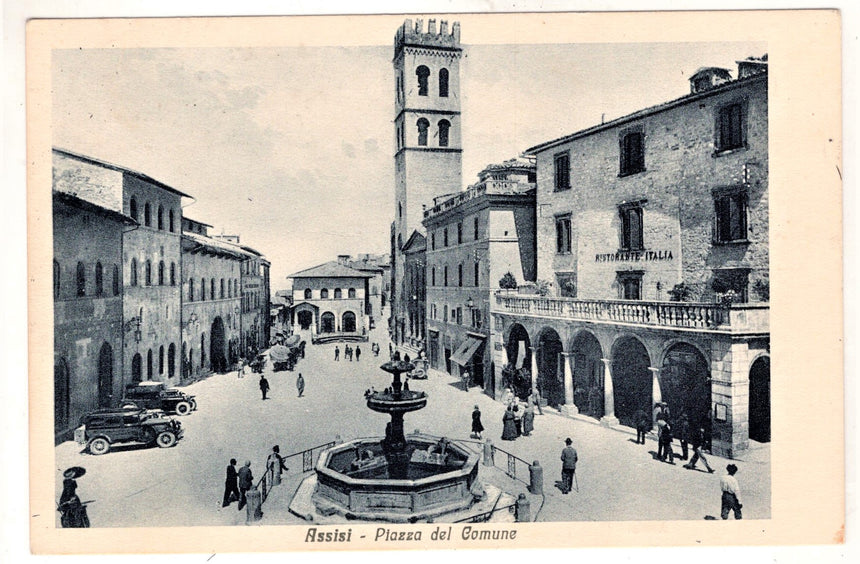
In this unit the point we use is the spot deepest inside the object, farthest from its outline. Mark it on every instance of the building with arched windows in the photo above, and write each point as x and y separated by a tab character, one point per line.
652	266
330	302
428	149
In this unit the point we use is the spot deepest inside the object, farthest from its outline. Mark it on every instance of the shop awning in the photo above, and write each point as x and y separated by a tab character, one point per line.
279	353
466	350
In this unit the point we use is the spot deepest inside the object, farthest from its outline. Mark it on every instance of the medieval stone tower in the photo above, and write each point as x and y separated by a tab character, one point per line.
428	150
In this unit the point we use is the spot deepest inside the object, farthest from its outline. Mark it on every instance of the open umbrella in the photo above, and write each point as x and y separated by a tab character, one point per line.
75	472
293	340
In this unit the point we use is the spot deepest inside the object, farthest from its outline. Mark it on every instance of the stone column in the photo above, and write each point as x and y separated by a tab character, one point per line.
656	396
535	370
569	408
608	395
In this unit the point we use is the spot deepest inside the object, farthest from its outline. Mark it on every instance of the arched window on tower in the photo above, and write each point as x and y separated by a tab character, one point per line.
443	83
160	217
170	218
308	293
444	127
423	126
132	279
100	287
116	280
132	208
147	215
423	74
81	280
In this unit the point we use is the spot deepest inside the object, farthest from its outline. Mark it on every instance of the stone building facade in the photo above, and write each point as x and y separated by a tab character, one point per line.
379	267
473	239
413	288
212	301
652	243
330	301
87	291
427	132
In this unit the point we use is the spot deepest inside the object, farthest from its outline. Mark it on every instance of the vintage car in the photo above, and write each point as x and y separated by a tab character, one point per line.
153	395
105	427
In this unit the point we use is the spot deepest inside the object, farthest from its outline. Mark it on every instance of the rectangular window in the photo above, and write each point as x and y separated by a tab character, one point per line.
433	276
459	316
477	274
730	127
459	233
632	152
433	241
445	241
630	285
631	228
562	234
730	217
445	313
460	274
562	172
734	279
446	276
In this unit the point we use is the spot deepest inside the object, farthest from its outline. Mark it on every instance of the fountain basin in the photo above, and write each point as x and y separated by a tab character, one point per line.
357	485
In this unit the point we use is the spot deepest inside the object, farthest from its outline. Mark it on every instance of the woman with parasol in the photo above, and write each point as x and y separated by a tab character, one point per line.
73	513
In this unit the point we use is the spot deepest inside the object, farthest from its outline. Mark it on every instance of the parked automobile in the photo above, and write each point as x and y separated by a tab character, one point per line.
105	427
154	395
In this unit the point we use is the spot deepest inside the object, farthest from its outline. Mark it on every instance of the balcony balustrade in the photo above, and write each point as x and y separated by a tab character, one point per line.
737	318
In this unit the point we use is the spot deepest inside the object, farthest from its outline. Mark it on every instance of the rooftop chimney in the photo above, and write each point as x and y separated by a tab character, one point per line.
343	259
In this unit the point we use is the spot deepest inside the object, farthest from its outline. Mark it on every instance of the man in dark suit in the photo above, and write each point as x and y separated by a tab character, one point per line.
246	482
231	487
569	459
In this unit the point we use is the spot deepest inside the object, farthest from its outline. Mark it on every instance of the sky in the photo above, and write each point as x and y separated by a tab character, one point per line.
292	148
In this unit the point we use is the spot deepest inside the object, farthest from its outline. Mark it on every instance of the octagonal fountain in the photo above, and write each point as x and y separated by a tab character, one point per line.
396	478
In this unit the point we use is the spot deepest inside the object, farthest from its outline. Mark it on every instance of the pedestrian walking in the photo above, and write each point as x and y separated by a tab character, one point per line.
246	481
264	386
528	420
518	418
300	384
643	425
231	485
507	397
666	443
275	465
391	351
336	353
73	513
697	441
357	353
477	426
466	382
406	358
569	458
683	434
536	399
731	494
240	368
509	428
661	425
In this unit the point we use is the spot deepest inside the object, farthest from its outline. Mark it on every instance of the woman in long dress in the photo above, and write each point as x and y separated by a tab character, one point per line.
528	419
509	429
73	514
275	463
477	426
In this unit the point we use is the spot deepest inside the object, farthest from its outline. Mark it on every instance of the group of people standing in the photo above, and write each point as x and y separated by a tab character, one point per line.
519	417
669	429
348	352
239	482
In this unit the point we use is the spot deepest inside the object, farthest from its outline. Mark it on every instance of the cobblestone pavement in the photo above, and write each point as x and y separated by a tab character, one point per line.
183	485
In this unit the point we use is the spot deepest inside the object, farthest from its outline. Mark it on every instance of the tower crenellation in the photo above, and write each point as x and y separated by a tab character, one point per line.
409	35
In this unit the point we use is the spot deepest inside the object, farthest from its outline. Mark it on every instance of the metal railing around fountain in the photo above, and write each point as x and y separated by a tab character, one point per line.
512	462
309	458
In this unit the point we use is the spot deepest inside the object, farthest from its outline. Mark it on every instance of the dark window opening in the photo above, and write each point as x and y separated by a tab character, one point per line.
81	280
161	217
730	133
190	289
444	128
460	274
133	274
730	222
99	280
632	153
148	273
459	233
132	209
173	274
161	273
630	285
476	229
562	172
423	74
443	83
562	234
631	228
116	281
423	125
147	215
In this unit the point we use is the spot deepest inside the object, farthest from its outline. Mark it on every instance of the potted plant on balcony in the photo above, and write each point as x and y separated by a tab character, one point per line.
680	293
542	287
724	293
762	289
508	282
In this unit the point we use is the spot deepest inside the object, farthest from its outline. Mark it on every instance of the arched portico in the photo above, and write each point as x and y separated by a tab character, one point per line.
516	372
632	379
550	367
685	384
587	366
759	400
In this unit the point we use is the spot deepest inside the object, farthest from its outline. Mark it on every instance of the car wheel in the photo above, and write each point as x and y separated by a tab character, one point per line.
193	404
165	439
99	445
183	408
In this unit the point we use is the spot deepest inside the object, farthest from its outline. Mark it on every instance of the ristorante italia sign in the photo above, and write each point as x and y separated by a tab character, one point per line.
633	256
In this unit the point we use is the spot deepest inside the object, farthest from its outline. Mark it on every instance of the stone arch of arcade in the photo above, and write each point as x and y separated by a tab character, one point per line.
516	372
218	346
550	366
587	367
632	379
759	399
685	382
307	316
